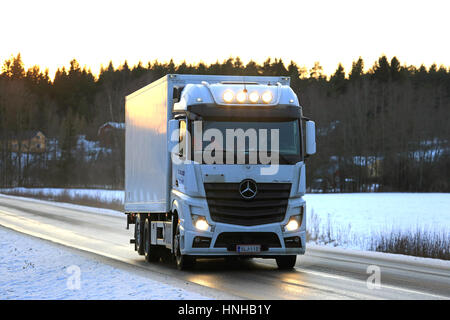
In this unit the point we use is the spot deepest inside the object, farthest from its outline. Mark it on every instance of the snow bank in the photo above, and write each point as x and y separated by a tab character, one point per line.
32	268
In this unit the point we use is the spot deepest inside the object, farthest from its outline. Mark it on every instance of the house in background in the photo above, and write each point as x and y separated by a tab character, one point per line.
375	168
28	142
109	132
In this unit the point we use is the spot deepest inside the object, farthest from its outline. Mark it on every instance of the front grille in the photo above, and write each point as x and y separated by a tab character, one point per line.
231	239
268	206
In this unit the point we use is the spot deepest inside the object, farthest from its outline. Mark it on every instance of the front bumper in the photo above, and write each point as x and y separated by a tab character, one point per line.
187	240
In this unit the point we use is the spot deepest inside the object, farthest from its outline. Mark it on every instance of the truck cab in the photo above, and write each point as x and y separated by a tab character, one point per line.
228	159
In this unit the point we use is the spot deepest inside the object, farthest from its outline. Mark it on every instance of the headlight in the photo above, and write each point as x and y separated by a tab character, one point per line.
292	225
267	97
228	96
294	222
200	222
254	97
241	96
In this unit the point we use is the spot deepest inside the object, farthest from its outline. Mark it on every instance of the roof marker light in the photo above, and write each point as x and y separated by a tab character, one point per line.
228	96
254	97
241	97
267	97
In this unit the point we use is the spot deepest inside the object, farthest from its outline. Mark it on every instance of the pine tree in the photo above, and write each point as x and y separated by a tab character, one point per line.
238	66
294	73
228	66
278	68
338	79
14	68
68	144
395	69
171	67
251	68
357	69
316	71
381	69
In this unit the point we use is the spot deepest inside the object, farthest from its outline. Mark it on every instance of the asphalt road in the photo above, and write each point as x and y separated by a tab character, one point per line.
323	273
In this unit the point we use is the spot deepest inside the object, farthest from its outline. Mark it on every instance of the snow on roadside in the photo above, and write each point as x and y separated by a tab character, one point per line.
32	268
392	257
69	205
102	195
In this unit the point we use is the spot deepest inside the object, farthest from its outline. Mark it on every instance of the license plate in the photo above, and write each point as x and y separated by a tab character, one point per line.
248	248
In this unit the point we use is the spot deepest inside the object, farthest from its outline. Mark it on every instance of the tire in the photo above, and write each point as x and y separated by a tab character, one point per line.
138	234
151	252
183	261
286	262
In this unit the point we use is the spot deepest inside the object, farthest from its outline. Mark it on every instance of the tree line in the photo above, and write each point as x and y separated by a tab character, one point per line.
384	129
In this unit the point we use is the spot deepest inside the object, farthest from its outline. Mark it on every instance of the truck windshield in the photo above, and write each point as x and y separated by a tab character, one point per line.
250	142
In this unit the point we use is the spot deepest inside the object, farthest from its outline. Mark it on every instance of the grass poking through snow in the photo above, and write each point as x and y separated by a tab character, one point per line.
419	242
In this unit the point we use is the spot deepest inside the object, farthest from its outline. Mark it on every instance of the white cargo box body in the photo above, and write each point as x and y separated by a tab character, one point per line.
146	155
147	160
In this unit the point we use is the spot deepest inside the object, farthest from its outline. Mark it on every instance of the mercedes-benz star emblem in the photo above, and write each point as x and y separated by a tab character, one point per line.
248	189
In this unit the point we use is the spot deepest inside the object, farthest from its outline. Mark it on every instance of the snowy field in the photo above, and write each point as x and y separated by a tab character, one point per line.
26	272
377	211
351	220
100	194
356	218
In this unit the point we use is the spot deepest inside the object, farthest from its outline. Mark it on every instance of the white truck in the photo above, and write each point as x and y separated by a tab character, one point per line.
215	167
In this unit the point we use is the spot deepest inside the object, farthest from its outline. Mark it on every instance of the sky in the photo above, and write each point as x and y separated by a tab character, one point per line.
51	33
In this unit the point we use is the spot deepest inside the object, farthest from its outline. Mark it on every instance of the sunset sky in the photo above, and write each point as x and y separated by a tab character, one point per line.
51	33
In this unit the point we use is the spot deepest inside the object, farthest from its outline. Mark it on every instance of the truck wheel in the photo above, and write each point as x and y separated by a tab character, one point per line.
150	251
286	262
184	262
138	234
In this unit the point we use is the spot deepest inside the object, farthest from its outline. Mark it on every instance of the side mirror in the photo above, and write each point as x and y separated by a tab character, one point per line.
310	137
173	136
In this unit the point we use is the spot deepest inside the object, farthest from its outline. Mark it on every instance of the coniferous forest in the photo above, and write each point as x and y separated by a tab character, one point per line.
384	129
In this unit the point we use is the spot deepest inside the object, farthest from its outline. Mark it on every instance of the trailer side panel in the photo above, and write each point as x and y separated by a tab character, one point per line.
146	154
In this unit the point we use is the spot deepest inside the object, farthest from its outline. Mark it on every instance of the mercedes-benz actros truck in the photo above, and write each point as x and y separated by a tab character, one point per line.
215	167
